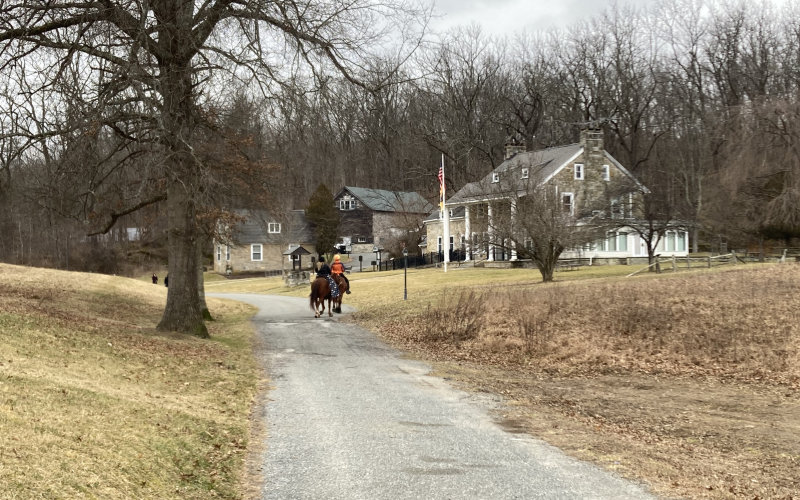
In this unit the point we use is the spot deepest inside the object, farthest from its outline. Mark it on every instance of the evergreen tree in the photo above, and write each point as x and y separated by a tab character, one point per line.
324	218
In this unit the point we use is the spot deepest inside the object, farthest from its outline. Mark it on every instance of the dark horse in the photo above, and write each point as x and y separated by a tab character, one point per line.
337	302
320	292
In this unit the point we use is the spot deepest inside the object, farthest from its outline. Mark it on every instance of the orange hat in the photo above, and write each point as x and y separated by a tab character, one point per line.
336	257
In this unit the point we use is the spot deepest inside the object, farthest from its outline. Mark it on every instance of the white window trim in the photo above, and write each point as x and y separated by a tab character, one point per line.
606	173
571	201
495	177
452	243
439	244
219	253
274	227
579	171
525	173
227	252
347	203
260	252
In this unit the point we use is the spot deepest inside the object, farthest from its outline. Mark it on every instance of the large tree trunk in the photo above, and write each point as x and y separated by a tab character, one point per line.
183	311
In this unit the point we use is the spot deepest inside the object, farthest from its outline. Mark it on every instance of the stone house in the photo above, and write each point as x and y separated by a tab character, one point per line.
266	242
579	174
377	218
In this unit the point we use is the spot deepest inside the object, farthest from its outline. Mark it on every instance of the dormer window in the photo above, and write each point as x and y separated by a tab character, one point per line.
525	173
347	203
274	227
495	177
579	171
606	173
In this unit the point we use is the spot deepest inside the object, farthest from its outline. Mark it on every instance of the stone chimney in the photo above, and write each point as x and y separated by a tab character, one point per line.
514	147
592	142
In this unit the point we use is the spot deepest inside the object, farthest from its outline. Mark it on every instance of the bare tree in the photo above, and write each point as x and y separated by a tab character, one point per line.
152	63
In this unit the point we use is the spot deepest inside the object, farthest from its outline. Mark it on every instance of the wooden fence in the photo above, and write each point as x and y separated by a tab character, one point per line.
675	264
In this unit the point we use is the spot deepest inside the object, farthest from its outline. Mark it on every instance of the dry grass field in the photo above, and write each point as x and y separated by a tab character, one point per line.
687	381
94	403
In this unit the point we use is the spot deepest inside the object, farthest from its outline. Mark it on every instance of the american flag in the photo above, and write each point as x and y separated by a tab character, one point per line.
441	179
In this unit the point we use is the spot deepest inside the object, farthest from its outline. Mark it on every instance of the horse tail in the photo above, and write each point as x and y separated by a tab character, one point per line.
313	295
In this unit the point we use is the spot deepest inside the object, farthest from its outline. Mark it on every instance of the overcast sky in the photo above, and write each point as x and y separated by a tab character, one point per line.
498	17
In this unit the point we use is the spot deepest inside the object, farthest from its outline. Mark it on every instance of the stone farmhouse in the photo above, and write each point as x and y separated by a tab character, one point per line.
376	218
578	174
266	242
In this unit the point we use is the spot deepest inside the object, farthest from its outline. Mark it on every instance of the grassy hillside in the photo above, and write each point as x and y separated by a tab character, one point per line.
94	403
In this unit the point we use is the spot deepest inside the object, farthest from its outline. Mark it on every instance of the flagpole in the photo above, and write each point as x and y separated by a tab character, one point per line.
446	223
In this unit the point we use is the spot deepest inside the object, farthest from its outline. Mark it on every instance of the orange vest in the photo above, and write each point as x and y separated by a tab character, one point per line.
337	267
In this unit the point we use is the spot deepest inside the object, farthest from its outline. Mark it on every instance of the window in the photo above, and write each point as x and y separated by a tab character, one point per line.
606	173
670	241
579	171
682	241
611	243
439	244
525	172
362	239
219	253
495	177
622	242
274	227
347	203
255	251
567	202
451	244
617	210
528	244
227	252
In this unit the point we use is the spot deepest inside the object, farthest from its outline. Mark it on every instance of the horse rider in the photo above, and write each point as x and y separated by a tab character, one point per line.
337	268
324	271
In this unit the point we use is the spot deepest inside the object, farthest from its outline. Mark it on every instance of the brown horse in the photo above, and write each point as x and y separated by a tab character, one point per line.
320	292
337	302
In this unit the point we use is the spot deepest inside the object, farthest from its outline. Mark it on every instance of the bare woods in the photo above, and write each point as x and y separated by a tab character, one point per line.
698	98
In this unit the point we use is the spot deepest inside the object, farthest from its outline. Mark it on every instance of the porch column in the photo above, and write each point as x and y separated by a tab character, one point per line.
513	228
490	215
467	234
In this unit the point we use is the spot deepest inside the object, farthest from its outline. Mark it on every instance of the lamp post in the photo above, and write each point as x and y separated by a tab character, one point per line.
405	273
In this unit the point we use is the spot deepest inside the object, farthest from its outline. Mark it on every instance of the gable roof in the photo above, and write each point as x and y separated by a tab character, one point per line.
543	165
382	200
295	228
458	213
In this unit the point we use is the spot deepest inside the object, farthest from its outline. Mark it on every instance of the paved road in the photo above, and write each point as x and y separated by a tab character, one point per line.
350	418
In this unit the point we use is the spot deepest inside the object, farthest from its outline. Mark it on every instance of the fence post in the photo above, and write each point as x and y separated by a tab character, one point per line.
674	264
709	262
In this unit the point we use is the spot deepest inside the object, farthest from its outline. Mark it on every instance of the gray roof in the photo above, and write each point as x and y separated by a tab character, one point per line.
458	213
389	201
542	165
295	228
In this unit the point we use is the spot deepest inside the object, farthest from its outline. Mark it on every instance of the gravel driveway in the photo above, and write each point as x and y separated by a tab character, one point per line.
350	418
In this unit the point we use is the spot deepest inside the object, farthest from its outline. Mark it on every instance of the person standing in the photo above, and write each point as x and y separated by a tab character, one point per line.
155	279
